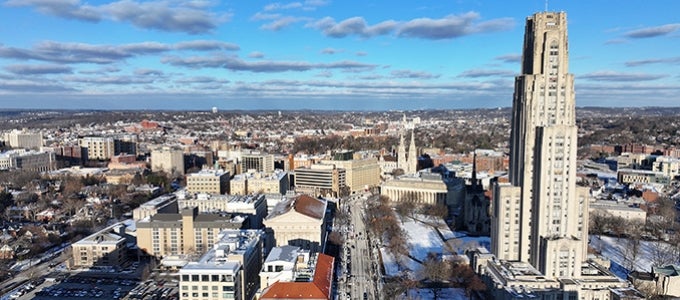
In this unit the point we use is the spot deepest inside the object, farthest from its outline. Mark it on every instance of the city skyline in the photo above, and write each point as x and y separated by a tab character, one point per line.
321	54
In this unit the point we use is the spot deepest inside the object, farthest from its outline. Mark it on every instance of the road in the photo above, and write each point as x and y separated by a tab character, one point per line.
360	256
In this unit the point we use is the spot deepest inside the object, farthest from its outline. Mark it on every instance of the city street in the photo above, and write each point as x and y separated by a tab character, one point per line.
360	260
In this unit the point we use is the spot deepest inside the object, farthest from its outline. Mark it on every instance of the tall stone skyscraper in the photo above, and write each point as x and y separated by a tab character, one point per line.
541	216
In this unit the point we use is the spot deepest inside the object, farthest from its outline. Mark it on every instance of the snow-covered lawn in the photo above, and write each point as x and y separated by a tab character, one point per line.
615	249
426	294
426	235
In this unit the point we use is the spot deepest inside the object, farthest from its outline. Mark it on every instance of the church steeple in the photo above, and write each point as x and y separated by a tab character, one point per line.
412	155
401	154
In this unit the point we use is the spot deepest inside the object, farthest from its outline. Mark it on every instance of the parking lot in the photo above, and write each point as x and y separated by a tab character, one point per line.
79	287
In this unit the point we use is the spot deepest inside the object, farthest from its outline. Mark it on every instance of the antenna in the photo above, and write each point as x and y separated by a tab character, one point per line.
546	5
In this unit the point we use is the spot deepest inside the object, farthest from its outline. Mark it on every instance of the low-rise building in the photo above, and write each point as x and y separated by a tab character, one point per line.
260	182
229	270
299	221
107	247
320	287
209	182
282	264
617	209
254	206
30	160
426	187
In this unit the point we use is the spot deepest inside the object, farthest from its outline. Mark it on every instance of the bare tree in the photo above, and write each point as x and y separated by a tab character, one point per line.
436	272
662	254
632	246
405	208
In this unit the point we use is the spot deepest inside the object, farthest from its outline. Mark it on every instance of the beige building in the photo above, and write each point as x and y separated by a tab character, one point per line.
185	233
539	226
283	264
98	148
24	139
107	247
259	182
425	187
360	172
553	211
299	221
21	159
208	181
165	204
258	161
620	210
321	179
668	166
229	270
167	159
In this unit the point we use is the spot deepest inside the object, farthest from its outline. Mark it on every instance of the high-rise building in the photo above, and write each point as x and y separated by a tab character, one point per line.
167	159
98	148
23	139
539	226
321	179
546	211
260	162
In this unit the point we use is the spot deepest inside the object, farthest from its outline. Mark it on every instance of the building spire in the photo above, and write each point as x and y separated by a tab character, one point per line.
412	154
474	168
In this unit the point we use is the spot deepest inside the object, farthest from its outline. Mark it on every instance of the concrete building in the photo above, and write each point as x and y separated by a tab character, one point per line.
319	288
668	166
615	209
125	144
165	204
282	264
254	206
642	176
167	159
185	233
208	181
24	139
542	208
539	228
426	187
321	179
260	182
254	160
98	148
299	221
229	270
360	172
30	160
107	247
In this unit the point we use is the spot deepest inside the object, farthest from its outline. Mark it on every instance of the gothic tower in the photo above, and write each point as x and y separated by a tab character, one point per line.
541	216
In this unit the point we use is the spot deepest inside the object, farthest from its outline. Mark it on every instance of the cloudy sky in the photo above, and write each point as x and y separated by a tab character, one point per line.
322	54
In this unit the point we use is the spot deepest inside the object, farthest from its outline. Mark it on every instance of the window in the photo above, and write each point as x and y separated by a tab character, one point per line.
215	278
194	277
185	277
205	277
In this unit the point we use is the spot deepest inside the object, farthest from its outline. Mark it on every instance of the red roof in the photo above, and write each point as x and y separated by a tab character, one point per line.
310	206
319	288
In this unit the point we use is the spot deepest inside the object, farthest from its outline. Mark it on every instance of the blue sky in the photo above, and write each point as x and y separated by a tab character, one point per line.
322	54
